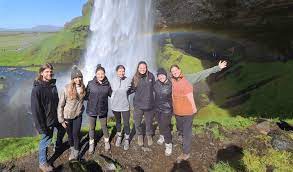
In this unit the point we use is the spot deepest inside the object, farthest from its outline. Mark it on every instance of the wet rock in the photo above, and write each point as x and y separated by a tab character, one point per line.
282	141
106	163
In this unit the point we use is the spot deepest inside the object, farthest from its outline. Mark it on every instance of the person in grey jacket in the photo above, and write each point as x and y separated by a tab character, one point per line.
120	104
70	109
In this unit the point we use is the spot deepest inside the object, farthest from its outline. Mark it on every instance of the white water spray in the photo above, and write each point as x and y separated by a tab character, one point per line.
121	34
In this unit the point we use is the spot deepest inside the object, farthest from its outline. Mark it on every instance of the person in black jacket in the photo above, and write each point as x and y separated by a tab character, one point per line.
44	103
163	108
143	101
97	92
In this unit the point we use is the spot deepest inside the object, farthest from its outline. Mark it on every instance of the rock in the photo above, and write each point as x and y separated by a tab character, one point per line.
146	149
282	141
2	77
106	163
265	127
74	166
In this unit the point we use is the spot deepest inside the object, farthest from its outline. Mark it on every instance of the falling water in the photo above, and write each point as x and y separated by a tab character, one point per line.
121	34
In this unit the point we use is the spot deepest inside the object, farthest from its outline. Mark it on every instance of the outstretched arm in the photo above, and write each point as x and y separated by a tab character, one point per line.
195	78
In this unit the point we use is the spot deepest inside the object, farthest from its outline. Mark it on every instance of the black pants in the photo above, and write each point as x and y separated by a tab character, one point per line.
164	121
148	117
73	131
125	116
184	127
92	126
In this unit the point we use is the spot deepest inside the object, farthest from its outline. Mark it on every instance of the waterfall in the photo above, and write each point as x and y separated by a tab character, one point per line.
121	33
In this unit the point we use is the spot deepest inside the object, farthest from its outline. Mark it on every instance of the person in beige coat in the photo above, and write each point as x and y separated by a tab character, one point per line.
70	110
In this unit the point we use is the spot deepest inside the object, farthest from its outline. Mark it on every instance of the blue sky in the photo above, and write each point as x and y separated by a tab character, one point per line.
29	13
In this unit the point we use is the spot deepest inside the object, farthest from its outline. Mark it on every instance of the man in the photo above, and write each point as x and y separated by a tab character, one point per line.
44	103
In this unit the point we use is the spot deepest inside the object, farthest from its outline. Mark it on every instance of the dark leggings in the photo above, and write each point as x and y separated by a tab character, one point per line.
92	126
73	131
125	116
164	121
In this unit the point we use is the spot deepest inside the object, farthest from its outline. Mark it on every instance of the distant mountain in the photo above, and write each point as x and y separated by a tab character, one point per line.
39	28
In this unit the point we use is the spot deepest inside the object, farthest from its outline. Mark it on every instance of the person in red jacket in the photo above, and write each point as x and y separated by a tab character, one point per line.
183	102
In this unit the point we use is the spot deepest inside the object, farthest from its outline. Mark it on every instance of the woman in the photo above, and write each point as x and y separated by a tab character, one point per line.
183	102
163	108
143	101
120	104
70	110
97	92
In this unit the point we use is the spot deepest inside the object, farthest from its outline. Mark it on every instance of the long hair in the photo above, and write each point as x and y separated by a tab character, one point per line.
41	69
72	91
137	75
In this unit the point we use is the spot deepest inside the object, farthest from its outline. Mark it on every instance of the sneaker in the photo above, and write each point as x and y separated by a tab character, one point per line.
150	140
161	140
126	144
168	149
118	141
71	155
91	146
107	144
46	167
140	140
183	157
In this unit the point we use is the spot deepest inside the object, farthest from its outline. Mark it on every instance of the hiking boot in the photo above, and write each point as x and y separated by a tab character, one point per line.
150	140
118	141
107	144
126	142
161	140
46	167
91	146
168	149
140	140
183	157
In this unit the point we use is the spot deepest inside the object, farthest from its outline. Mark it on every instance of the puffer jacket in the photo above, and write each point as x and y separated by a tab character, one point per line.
97	95
163	97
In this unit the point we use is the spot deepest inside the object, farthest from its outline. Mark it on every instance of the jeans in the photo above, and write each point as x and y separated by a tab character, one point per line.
46	140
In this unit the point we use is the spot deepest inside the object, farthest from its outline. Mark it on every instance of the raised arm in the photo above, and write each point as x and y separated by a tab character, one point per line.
196	77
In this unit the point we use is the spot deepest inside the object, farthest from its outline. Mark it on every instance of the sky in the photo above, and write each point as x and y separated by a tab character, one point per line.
30	13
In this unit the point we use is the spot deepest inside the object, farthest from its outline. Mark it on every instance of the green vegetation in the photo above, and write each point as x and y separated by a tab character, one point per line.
65	46
277	160
12	148
222	167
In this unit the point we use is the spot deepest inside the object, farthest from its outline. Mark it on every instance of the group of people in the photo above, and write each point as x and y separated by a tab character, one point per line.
153	98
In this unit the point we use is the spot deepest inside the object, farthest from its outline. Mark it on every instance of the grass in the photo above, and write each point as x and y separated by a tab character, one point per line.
12	148
222	167
278	160
65	46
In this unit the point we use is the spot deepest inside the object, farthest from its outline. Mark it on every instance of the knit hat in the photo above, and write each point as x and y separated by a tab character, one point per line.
75	72
161	71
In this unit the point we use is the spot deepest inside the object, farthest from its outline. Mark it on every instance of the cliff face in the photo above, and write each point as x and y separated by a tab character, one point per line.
236	12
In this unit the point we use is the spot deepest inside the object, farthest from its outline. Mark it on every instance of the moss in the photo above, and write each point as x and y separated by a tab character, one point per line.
169	55
278	160
222	167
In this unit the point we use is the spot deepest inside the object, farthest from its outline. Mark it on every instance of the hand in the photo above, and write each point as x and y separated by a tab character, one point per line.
64	124
222	64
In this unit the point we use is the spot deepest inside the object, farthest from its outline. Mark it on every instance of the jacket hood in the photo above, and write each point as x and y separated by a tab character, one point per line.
52	82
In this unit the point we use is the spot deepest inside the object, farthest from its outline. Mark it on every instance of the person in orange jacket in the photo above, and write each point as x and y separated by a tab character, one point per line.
183	102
